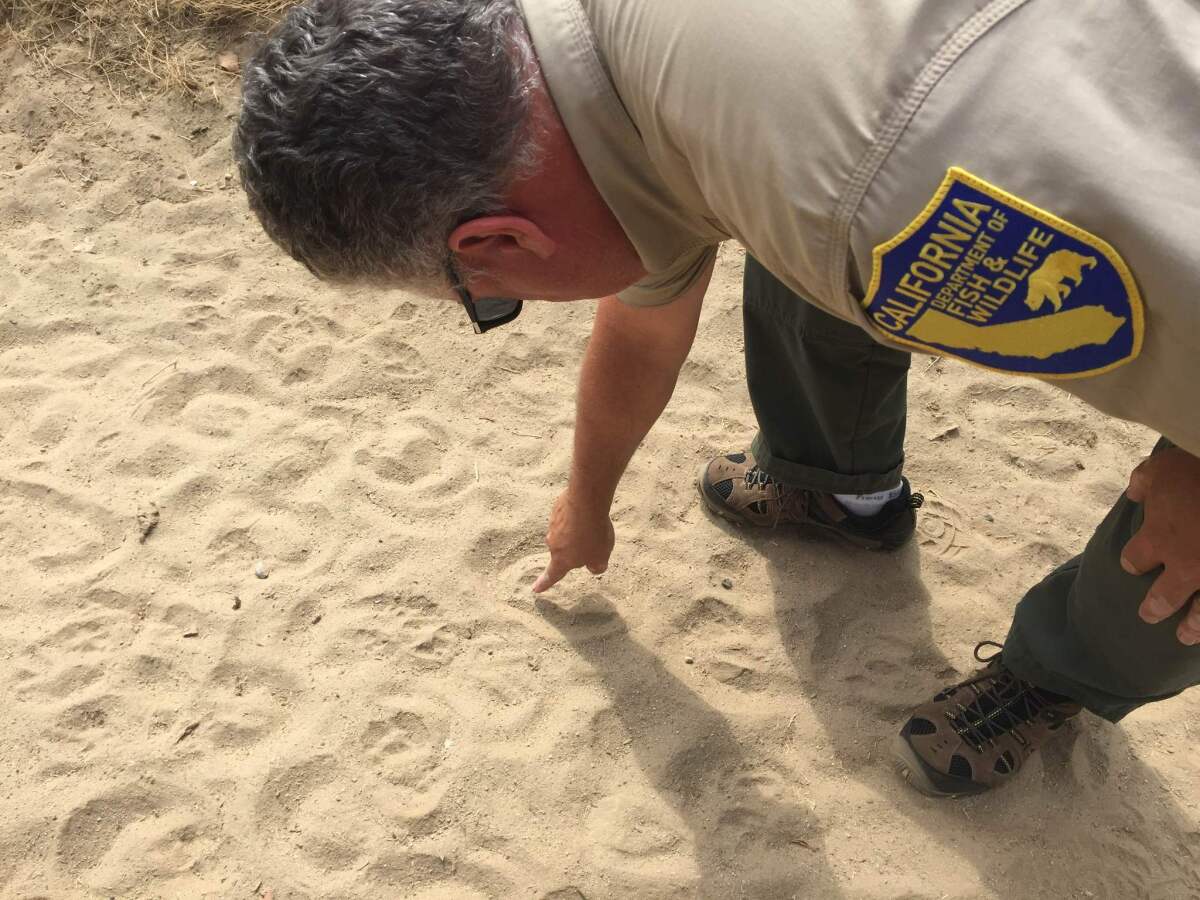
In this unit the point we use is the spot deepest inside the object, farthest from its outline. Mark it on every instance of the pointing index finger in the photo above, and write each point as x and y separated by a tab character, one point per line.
550	577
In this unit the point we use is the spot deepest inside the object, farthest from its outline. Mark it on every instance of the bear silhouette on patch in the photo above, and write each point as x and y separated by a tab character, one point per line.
1048	282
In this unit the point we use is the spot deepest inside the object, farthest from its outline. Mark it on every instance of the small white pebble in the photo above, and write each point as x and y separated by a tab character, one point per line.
260	569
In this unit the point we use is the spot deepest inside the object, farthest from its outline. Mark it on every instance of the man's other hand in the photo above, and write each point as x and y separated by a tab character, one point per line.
579	535
1168	486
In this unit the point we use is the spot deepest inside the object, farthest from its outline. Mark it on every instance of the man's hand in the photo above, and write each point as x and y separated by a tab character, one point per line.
1168	487
629	372
579	536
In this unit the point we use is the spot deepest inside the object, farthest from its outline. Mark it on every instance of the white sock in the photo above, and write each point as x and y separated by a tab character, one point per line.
868	504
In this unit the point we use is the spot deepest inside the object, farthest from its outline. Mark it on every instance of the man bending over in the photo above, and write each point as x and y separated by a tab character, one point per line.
1000	181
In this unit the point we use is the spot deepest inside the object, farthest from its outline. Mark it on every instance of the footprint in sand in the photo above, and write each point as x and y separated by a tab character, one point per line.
592	617
407	751
427	876
74	534
136	832
307	813
940	529
740	667
253	703
710	612
638	834
398	627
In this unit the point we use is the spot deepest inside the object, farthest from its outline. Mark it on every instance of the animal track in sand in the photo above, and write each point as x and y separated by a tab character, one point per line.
257	331
306	364
234	543
174	833
519	354
252	702
426	876
152	671
51	429
502	682
607	734
636	833
88	715
359	376
96	366
107	598
91	634
216	416
740	667
289	471
592	617
201	316
169	396
298	808
431	643
496	549
402	739
395	355
398	627
407	751
74	532
410	463
710	610
71	659
274	333
157	460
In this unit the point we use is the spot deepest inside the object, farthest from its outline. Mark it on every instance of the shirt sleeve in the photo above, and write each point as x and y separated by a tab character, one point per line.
661	288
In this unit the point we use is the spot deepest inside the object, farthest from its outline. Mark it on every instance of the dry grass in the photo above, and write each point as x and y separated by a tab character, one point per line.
166	45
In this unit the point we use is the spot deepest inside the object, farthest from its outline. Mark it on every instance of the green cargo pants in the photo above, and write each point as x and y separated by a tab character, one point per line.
831	409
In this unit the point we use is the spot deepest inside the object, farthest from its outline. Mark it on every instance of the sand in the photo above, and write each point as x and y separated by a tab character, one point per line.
389	713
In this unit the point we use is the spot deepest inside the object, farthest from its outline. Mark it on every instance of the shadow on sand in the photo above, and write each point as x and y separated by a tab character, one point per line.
1087	819
750	840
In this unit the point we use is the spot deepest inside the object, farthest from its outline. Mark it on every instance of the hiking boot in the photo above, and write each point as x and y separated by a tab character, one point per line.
735	488
978	734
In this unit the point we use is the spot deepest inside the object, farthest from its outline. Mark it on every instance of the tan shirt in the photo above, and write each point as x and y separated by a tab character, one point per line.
816	132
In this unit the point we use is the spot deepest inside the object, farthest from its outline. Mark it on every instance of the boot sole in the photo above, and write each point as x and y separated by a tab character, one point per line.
926	779
717	507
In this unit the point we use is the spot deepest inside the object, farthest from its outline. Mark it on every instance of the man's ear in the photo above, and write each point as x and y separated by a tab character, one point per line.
490	236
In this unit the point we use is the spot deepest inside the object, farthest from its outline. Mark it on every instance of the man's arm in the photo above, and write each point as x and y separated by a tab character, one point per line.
629	373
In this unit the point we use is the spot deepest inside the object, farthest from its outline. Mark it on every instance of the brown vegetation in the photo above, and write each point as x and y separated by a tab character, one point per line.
148	44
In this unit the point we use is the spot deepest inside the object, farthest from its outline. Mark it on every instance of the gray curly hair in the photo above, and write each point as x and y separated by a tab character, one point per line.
371	129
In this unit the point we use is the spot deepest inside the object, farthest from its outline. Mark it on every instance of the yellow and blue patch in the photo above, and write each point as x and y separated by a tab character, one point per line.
986	277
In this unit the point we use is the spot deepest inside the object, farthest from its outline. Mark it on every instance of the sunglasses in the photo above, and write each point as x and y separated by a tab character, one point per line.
485	313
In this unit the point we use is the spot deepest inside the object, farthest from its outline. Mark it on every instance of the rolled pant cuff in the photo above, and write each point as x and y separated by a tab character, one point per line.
1022	663
813	479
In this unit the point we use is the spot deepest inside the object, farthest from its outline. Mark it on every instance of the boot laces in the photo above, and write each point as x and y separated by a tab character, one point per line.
1004	703
790	503
756	477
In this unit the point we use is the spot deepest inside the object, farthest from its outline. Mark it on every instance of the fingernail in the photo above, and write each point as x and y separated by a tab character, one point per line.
1128	566
1190	638
1158	606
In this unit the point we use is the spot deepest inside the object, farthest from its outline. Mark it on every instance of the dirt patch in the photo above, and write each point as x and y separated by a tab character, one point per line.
186	47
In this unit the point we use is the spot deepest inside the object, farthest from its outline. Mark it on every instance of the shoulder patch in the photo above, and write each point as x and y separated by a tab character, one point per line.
986	277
